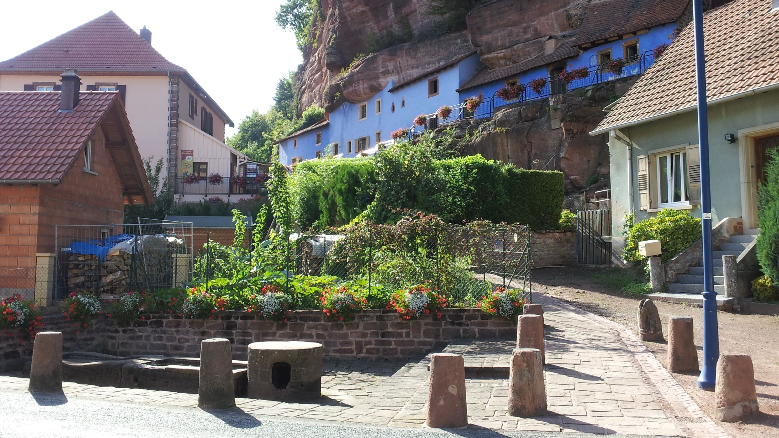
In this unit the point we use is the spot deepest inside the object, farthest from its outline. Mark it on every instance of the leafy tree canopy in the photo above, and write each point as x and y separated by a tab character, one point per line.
296	15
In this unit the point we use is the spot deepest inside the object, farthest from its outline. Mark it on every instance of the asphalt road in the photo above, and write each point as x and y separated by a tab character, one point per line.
25	415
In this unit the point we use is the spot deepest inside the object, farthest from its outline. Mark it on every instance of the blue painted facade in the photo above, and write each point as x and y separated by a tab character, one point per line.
400	106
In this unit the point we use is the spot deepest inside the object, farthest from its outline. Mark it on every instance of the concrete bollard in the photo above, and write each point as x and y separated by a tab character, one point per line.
682	355
533	309
527	392
46	369
656	274
530	333
447	405
735	396
216	390
730	272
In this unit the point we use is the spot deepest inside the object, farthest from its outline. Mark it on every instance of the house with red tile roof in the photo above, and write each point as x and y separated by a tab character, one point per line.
653	139
66	158
173	117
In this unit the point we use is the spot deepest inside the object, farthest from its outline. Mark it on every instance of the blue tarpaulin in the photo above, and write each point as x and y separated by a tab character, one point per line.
98	247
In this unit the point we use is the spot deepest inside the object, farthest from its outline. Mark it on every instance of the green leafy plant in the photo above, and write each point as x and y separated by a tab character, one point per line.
19	315
764	290
130	307
200	304
342	303
81	308
270	303
630	281
768	216
675	229
567	220
416	302
503	302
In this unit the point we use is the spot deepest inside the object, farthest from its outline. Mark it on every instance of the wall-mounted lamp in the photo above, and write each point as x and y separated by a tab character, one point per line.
730	138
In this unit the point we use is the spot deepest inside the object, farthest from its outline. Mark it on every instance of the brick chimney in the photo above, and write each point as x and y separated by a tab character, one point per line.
71	84
146	34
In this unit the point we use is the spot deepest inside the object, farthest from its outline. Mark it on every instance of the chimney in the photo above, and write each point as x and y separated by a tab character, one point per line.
71	84
146	34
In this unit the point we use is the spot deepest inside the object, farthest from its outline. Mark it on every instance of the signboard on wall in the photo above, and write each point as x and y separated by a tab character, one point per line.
251	170
187	163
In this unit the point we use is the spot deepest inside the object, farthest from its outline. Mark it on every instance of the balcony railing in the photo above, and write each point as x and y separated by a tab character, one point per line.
227	186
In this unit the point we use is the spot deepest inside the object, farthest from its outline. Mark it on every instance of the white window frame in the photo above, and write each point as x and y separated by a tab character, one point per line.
377	105
362	109
44	88
106	88
89	158
366	146
667	155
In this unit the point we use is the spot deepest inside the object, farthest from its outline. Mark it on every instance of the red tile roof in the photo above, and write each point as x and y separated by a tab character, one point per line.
104	44
614	18
39	143
742	48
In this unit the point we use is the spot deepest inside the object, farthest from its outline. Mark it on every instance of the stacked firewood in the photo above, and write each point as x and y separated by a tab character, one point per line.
86	272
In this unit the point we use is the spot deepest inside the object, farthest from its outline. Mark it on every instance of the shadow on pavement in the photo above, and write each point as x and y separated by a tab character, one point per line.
235	417
49	398
474	431
572	373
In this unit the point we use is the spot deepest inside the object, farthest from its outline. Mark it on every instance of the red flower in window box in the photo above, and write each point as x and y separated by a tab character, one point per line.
580	73
215	179
615	66
420	120
444	112
659	50
261	178
472	103
191	179
511	92
240	181
399	134
538	84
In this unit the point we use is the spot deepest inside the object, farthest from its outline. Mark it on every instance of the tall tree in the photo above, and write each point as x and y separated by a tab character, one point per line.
285	97
296	15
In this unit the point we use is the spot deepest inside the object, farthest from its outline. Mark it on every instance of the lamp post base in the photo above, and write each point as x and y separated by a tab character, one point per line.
708	375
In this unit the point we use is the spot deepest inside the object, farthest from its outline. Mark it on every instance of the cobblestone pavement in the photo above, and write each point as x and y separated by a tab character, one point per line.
598	379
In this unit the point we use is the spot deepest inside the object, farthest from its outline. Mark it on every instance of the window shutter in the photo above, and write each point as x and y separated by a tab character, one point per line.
694	174
28	87
122	89
91	88
643	182
58	87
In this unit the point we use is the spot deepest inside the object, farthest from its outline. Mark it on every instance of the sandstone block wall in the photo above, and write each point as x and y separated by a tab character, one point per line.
553	248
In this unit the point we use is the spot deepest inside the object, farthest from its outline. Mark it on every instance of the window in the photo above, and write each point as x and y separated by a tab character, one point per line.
335	148
192	106
432	87
669	178
318	154
294	143
512	82
318	138
403	103
348	146
393	107
362	144
604	56
200	169
363	113
294	161
630	50
378	137
107	88
44	88
557	85
89	158
206	121
378	106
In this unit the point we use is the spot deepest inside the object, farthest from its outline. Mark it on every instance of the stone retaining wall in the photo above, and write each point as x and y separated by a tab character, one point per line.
553	248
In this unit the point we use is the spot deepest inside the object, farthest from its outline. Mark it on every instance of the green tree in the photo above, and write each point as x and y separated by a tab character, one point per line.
163	195
296	15
768	215
285	97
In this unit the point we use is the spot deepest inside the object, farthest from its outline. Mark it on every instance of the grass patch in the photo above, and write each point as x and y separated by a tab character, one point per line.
629	281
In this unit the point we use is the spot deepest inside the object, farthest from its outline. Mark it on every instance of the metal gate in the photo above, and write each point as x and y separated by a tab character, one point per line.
593	237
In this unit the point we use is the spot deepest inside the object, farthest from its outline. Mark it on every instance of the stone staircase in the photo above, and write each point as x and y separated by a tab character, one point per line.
689	285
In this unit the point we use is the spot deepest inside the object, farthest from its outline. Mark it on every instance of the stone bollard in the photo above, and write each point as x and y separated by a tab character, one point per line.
530	333
527	392
735	397
656	273
533	309
730	272
682	355
46	369
447	405
216	390
649	326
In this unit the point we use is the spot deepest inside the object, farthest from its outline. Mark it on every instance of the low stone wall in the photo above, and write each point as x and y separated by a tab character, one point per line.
374	334
553	248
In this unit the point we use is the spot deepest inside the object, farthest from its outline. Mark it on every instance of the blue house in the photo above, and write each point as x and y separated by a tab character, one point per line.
617	39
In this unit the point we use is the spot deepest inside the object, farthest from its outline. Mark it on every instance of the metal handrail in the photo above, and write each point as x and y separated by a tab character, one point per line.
229	186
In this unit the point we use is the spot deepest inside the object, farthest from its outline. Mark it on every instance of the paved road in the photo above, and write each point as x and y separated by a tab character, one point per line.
24	415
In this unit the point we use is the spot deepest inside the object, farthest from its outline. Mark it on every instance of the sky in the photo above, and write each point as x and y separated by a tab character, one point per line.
234	49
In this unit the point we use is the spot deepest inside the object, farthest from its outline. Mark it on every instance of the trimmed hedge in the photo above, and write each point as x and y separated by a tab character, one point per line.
768	215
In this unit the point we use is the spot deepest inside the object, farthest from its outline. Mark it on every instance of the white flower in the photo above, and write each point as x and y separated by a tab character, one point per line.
21	313
417	301
91	304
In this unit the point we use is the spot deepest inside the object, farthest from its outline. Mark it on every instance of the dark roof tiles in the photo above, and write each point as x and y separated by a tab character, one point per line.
614	18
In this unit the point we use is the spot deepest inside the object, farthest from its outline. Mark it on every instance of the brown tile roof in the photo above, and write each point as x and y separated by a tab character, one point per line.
320	124
104	44
742	48
613	18
39	143
484	76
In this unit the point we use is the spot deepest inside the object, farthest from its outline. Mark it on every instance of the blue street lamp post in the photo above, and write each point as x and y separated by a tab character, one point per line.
710	335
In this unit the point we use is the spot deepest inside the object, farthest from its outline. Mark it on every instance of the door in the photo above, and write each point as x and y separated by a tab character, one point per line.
762	147
593	247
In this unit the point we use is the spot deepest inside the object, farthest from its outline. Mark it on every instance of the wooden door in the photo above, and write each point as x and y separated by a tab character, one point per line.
762	146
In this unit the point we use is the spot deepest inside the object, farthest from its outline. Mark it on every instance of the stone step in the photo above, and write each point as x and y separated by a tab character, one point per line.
752	232
722	302
688	288
698	279
717	255
698	270
740	247
742	238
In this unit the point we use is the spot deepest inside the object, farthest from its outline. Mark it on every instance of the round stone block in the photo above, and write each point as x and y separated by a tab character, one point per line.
527	392
447	405
215	389
530	333
533	309
682	355
735	397
46	368
285	371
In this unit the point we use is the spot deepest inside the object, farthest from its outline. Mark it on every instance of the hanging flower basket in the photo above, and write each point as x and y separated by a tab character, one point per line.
420	120
472	103
511	92
538	84
659	50
215	179
580	73
240	181
261	178
444	112
566	76
191	179
615	66
399	134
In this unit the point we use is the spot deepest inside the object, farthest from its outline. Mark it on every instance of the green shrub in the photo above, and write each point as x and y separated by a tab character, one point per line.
567	220
768	214
630	281
764	290
675	229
